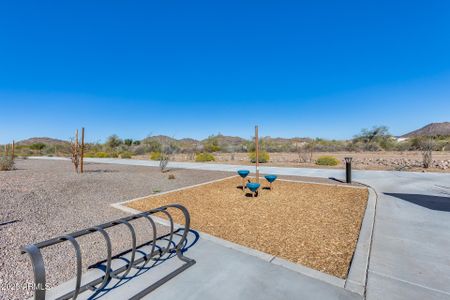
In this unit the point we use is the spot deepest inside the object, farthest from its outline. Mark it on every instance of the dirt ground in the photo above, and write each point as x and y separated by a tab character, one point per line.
383	160
315	225
43	199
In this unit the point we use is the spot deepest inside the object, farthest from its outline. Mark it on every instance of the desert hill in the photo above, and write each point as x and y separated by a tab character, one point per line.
432	129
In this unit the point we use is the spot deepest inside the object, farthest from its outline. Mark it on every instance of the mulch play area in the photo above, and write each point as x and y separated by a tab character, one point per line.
315	225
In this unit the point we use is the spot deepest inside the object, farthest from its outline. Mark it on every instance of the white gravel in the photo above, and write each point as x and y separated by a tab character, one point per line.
43	199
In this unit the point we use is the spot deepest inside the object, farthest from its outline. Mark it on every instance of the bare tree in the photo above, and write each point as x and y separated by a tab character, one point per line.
374	139
163	161
166	151
305	152
427	146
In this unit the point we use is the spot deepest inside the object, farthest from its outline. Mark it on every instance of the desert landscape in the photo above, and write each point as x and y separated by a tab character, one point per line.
425	150
217	150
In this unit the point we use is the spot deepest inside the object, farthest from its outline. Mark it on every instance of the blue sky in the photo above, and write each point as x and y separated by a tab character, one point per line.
194	68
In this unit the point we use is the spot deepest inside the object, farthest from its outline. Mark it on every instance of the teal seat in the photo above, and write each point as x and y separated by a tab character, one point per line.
243	173
270	178
253	186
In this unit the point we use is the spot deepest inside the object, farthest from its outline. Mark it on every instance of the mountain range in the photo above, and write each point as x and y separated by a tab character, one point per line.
432	129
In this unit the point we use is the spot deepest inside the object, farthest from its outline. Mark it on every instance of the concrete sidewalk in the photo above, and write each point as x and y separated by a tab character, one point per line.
224	273
410	256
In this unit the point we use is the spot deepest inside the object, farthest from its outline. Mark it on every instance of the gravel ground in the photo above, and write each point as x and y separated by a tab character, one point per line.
43	199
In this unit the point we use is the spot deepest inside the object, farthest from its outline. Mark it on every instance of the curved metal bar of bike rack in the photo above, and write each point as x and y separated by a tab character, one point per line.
133	249
34	251
79	263
38	270
108	262
152	251
187	224
166	250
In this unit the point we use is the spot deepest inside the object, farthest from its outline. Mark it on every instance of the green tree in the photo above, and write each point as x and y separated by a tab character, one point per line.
211	144
128	142
113	141
375	138
37	146
152	145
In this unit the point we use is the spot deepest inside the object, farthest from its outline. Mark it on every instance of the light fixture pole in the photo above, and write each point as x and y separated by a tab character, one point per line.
348	169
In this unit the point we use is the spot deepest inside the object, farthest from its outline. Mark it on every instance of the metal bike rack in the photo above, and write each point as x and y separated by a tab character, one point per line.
34	251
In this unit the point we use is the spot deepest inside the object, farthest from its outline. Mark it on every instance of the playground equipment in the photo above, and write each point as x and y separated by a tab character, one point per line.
243	174
110	274
253	187
257	153
270	179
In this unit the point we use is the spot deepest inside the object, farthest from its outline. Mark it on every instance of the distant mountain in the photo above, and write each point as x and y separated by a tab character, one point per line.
433	129
229	140
45	140
224	141
160	138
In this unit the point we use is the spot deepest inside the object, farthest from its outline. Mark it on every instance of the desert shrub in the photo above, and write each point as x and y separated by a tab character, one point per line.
164	161
89	154
152	145
6	163
26	152
427	146
141	150
263	157
155	155
113	141
102	155
211	144
128	142
37	146
126	155
327	161
202	157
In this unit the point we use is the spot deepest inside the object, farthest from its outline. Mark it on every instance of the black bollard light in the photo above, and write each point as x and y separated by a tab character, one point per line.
348	169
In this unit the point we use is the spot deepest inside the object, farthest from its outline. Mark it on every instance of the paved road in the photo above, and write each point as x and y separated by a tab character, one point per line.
410	256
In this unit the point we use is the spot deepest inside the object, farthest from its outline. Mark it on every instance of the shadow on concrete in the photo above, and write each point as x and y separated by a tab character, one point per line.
335	179
432	202
191	240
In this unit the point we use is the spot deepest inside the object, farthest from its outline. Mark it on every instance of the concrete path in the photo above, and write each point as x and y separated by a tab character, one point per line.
410	256
220	273
223	273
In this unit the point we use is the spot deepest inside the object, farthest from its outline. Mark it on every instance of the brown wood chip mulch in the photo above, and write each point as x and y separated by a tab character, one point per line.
314	225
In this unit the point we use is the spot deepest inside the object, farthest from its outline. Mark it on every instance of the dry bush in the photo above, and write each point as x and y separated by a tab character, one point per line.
166	152
6	163
191	156
427	146
305	153
163	162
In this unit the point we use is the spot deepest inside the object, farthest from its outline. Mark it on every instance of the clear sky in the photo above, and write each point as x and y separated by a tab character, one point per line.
195	68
